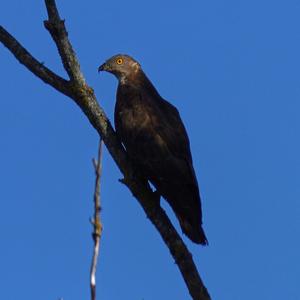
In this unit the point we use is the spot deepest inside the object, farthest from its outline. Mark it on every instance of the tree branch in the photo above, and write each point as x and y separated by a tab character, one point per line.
85	98
58	31
96	221
37	68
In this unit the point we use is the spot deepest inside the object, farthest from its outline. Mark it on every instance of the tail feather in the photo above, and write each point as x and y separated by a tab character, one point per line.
185	202
195	233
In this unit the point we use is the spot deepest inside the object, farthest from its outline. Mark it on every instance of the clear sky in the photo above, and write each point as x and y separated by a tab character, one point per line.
232	70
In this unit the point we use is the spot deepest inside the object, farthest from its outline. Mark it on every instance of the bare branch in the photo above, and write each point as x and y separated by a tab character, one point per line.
37	68
85	98
96	221
58	31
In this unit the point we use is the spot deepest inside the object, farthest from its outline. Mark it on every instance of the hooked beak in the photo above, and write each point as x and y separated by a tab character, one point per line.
103	67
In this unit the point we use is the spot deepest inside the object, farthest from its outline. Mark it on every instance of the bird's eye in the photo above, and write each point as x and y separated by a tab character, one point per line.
119	61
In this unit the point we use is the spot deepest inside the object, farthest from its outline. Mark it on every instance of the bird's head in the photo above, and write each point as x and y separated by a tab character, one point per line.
122	66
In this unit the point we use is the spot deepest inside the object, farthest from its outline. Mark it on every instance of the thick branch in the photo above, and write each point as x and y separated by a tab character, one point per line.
85	98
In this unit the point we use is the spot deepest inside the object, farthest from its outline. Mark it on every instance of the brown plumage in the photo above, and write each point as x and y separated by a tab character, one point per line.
155	138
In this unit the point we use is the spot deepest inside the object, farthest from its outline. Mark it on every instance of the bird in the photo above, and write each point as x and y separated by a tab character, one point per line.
154	136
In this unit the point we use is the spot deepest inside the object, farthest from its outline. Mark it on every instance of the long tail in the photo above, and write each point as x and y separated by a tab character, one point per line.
186	203
195	233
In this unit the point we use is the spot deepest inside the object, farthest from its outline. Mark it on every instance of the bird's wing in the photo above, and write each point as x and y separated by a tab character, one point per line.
174	132
169	126
152	131
174	175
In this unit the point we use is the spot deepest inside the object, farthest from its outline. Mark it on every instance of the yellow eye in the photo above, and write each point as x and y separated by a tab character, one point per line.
119	61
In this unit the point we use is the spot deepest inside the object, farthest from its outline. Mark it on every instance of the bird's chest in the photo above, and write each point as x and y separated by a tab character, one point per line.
132	115
133	118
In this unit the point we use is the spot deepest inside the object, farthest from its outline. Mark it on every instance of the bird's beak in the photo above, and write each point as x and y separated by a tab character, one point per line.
103	67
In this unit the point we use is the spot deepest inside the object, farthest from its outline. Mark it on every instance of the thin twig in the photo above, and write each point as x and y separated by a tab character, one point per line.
85	98
97	225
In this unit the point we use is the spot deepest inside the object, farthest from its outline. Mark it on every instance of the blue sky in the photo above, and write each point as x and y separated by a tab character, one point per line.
232	69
